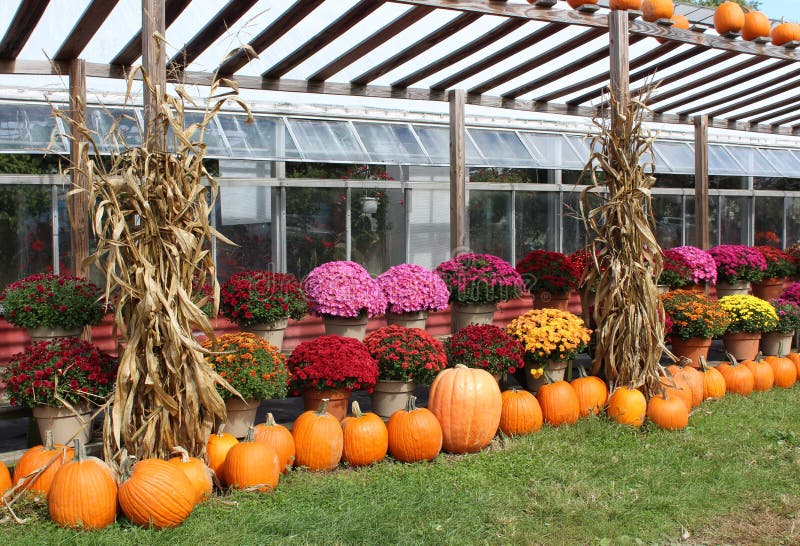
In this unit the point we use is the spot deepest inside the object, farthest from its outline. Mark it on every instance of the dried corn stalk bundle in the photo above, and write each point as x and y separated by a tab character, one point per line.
628	310
150	215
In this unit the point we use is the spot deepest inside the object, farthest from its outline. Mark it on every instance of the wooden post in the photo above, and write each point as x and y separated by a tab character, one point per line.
458	172
154	62
78	203
701	181
620	69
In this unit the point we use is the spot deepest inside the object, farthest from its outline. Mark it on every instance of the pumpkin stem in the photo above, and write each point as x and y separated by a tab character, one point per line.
323	407
703	363
582	372
182	453
356	409
127	467
80	450
412	403
460	366
49	445
759	357
251	435
781	354
270	422
732	359
515	388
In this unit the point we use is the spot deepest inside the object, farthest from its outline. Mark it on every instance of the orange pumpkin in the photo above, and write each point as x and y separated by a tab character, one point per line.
217	449
756	25
694	379
676	386
366	439
738	379
785	33
155	494
678	21
559	403
83	493
37	457
252	464
467	402
668	413
318	439
713	382
5	478
521	413
653	10
625	4
196	470
627	406
795	358
763	376
575	4
279	438
414	434
592	394
784	370
728	17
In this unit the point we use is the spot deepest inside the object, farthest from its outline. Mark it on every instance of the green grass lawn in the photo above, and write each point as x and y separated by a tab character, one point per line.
731	477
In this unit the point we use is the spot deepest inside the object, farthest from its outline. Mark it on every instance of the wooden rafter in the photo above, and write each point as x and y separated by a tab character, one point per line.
794	101
534	38
772	115
783	121
766	95
210	33
417	48
25	19
381	36
133	49
85	29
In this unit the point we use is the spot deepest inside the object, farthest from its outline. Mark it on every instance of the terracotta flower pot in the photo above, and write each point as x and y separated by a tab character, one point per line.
768	289
742	345
338	400
692	348
272	332
548	300
464	315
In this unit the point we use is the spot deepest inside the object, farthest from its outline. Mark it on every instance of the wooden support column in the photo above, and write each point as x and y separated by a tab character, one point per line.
620	68
154	62
78	203
701	181
458	172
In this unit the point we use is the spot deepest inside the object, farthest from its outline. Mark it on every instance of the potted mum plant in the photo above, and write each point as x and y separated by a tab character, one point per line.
477	283
552	339
779	267
549	277
688	267
262	302
487	347
406	357
694	321
62	380
750	317
345	296
792	293
737	267
331	367
251	366
411	292
52	306
778	342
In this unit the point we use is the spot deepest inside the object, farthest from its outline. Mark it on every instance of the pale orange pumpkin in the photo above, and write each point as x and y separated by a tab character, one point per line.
196	470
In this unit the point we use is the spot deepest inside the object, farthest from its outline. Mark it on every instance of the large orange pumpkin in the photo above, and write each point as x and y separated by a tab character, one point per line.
318	439
653	10
5	478
217	449
756	25
521	413
196	470
83	493
559	403
37	457
414	434
592	394
156	494
279	438
785	33
625	4
627	406
366	439
668	413
784	371
252	464
763	376
468	404
728	17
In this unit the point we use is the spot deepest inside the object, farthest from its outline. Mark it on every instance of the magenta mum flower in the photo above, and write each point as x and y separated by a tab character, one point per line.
344	289
410	288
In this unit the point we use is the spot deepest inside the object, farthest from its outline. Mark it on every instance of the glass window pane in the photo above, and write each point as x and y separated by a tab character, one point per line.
575	235
713	220
327	140
436	141
377	228
785	161
28	127
690	223
502	148
776	183
490	222
26	235
553	150
116	129
720	161
391	142
674	180
675	157
769	221
215	144
429	226
315	227
734	218
727	182
244	215
536	221
793	221
753	161
258	139
669	220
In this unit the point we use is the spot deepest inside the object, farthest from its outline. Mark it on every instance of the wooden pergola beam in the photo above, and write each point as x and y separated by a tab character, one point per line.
85	29
153	63
458	171
133	49
772	115
769	93
701	182
78	203
780	105
619	86
22	24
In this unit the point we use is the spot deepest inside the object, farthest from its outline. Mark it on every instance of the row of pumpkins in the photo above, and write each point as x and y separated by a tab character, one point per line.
729	19
465	411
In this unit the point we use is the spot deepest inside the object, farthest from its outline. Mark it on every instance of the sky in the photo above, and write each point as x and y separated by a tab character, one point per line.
775	9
